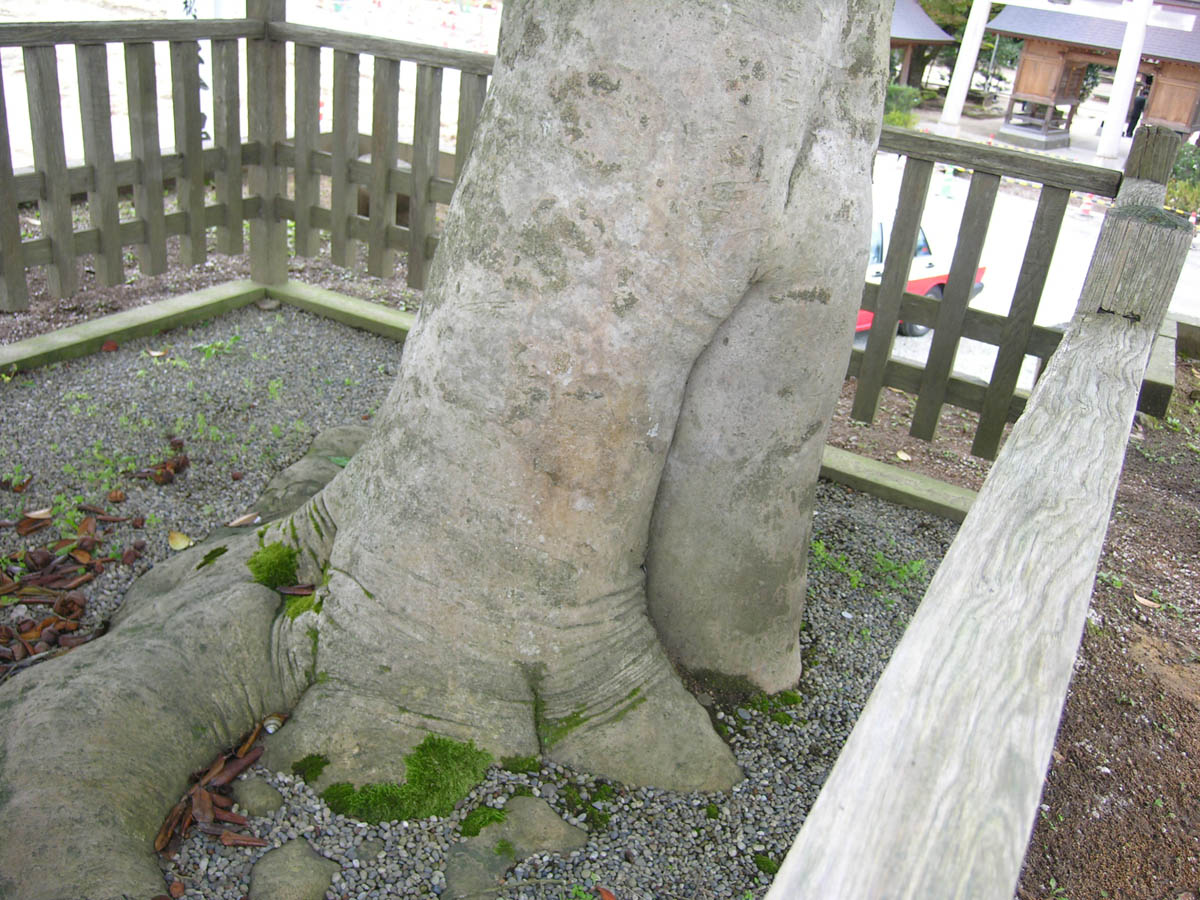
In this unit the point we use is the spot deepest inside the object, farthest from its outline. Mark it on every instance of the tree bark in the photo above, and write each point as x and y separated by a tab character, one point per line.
659	216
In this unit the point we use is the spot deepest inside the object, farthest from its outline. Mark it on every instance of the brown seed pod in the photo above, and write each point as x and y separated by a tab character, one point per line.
50	636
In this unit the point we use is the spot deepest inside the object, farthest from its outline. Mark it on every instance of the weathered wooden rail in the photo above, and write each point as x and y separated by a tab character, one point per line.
936	790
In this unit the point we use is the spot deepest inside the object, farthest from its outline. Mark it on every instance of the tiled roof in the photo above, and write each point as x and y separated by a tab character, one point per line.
1087	31
911	25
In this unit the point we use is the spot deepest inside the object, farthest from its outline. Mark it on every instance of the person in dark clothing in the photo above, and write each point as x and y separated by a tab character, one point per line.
1135	111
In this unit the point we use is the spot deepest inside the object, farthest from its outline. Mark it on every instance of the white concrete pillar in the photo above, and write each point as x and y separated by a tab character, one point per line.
964	68
1122	92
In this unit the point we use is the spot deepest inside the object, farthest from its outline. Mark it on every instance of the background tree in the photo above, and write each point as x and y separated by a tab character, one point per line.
631	341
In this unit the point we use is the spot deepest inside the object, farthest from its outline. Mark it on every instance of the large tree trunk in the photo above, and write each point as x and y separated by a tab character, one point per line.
633	332
667	214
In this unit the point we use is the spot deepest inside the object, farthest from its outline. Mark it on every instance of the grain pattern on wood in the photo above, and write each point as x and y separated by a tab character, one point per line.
265	77
146	150
1000	161
385	116
478	63
95	109
426	128
911	203
1152	156
189	186
307	106
25	34
227	136
342	199
472	90
971	234
14	290
935	792
1039	250
50	159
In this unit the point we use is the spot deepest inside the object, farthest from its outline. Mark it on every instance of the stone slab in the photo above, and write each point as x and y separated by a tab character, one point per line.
292	872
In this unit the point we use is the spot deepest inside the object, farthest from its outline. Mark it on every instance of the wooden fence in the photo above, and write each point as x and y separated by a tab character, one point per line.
935	792
286	174
284	170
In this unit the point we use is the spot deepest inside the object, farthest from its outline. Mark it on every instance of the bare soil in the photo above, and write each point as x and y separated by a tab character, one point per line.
1120	814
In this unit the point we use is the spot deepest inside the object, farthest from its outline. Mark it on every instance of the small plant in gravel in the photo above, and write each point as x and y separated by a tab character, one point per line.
529	765
821	559
765	864
274	565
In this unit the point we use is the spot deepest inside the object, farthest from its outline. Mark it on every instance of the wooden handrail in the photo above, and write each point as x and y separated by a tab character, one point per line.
1049	170
34	34
935	792
401	51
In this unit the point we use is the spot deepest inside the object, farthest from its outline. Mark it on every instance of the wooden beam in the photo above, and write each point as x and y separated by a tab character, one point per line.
91	62
936	790
343	201
189	186
308	126
399	51
30	34
381	261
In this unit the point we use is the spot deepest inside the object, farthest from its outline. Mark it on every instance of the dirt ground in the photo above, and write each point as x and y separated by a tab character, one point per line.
1120	814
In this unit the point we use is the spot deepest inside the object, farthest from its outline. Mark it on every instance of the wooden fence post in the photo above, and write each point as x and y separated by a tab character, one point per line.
14	290
50	158
426	128
265	66
146	148
96	116
935	792
227	134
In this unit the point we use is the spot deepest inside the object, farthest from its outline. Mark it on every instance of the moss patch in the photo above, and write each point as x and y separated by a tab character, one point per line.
211	556
765	864
595	816
294	607
505	848
530	765
273	565
480	818
440	772
310	767
712	811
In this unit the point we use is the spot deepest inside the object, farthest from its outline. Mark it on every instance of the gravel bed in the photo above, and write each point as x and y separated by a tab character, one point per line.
246	393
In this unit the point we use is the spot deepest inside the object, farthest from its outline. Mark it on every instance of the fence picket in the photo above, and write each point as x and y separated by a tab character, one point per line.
971	233
265	76
913	188
307	106
227	135
95	108
385	118
472	90
14	290
1052	204
50	159
422	211
342	199
189	187
146	149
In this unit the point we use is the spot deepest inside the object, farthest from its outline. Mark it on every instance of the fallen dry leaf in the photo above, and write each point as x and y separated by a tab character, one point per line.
168	825
202	805
29	525
43	513
902	456
177	889
605	894
233	839
157	354
116	495
249	518
177	540
1149	604
109	346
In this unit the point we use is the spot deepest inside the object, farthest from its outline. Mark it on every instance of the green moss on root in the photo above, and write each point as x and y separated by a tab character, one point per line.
440	773
274	565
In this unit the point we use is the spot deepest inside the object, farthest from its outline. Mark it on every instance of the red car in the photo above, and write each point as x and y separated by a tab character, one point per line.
927	276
